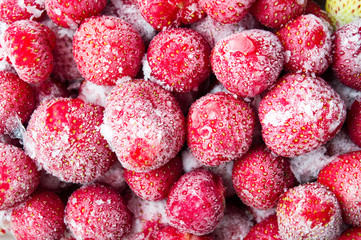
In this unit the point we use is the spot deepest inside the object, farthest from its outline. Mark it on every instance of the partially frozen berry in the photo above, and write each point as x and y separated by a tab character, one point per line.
19	176
353	233
12	11
97	212
144	125
265	230
71	13
299	114
63	137
196	202
39	217
354	123
179	59
219	128
249	62
309	211
106	49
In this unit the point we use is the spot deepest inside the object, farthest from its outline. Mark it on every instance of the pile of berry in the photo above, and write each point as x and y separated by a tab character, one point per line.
180	119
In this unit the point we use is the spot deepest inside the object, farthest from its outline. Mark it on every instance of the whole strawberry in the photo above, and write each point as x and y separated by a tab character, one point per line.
353	122
265	230
309	211
353	233
219	128
299	114
106	49
97	212
248	62
12	11
71	13
39	217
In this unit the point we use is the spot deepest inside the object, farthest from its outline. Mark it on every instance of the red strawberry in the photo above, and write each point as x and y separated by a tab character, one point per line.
309	211
63	136
106	49
299	114
307	43
354	122
97	212
219	128
19	176
341	177
12	11
71	13
249	62
265	230
144	125
313	8
259	177
276	13
196	202
28	45
156	184
179	59
346	51
39	217
171	233
17	101
353	233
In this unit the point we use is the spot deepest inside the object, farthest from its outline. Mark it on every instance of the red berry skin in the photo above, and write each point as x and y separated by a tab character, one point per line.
341	176
106	49
179	59
248	62
309	211
156	184
313	8
71	13
219	128
196	202
97	212
39	217
171	233
260	177
354	122
299	114
19	176
307	43
11	11
145	124
353	233
28	45
265	230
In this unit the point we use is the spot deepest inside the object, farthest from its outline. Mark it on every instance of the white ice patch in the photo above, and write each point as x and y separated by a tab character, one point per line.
276	118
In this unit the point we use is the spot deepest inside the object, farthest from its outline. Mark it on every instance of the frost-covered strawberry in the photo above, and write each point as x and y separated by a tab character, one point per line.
354	122
219	128
179	59
144	125
353	233
171	233
247	63
341	176
260	177
12	11
299	114
265	230
106	49
307	44
309	211
39	217
63	137
71	13
276	13
19	176
196	202
97	212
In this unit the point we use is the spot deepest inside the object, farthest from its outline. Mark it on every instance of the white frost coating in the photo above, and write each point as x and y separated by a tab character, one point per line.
107	132
5	219
287	55
94	93
347	94
341	144
147	71
260	215
15	128
277	118
300	2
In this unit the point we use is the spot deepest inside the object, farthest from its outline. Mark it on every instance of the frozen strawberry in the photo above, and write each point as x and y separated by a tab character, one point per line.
313	8
71	13
63	137
307	44
341	176
196	202
106	49
179	59
39	217
276	13
12	11
299	114
144	125
156	184
19	176
17	100
354	122
353	233
29	45
346	55
249	62
260	177
265	230
309	211
97	212
219	128
171	233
